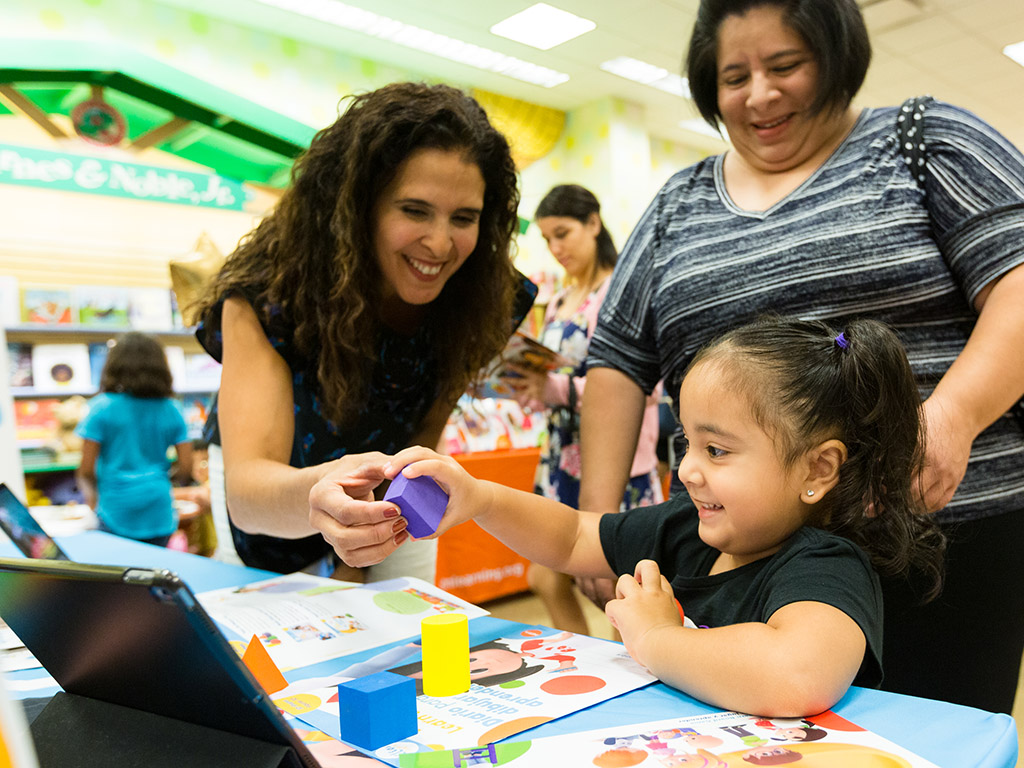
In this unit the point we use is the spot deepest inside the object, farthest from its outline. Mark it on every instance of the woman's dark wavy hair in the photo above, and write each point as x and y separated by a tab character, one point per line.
313	256
834	30
805	388
576	202
136	365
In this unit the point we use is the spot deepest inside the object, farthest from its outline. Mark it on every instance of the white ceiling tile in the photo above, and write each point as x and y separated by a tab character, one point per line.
922	33
948	47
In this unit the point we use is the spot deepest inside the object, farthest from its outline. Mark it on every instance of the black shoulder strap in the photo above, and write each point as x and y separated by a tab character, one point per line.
910	130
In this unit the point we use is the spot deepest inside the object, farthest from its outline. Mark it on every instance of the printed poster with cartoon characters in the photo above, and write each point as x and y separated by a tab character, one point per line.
717	740
517	682
302	619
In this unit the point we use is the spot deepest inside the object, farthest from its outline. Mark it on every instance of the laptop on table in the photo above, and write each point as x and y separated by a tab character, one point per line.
139	660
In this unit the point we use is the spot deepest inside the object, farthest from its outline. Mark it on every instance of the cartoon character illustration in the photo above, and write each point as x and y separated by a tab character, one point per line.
696	739
702	759
304	632
491	663
621	757
771	756
806	731
554	648
345	624
744	735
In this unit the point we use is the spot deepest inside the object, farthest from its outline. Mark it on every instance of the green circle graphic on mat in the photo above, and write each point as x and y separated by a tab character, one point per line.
400	602
512	684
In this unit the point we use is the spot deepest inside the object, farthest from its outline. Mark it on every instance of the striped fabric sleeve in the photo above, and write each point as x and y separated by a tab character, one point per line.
975	196
624	338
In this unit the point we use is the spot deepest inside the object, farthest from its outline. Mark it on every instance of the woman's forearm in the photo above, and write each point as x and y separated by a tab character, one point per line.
268	497
987	377
610	421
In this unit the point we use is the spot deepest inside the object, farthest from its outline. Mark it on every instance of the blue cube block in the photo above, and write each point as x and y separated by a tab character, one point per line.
377	709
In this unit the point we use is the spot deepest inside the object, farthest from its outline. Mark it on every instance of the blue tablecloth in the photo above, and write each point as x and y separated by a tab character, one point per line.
946	734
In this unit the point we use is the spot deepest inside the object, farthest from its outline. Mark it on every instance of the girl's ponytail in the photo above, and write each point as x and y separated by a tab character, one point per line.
875	503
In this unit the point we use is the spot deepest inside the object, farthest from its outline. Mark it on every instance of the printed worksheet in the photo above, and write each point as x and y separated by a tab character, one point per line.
303	619
518	682
717	740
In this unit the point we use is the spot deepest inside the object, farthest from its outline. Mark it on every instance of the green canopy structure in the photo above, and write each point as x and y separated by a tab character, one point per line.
162	107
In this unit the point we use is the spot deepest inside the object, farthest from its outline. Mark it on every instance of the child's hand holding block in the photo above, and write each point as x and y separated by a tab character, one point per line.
377	709
422	502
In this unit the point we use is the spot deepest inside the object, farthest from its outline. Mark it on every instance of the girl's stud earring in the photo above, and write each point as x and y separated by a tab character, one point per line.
810	493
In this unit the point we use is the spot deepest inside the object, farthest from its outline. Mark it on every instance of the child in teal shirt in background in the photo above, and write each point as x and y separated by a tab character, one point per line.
127	432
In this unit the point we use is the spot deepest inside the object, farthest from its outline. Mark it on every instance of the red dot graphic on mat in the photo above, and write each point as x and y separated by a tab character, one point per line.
567	686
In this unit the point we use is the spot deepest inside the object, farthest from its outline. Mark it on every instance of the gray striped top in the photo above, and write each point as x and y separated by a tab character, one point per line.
859	238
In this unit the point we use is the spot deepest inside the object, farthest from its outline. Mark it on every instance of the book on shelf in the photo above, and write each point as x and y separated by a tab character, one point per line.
176	362
48	306
196	409
523	351
149	309
100	305
202	372
19	359
35	422
10	303
97	359
61	367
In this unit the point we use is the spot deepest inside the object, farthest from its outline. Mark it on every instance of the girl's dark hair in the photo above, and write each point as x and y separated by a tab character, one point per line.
580	203
804	386
834	30
136	365
313	259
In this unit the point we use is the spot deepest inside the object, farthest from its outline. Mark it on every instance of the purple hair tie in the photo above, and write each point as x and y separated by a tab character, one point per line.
841	342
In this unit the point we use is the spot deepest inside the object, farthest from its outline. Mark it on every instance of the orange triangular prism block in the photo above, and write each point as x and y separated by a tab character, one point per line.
263	667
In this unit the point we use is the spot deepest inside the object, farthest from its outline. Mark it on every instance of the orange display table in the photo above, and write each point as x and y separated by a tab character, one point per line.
470	562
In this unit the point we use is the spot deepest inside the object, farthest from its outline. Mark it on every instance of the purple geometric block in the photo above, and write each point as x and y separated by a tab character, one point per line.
422	503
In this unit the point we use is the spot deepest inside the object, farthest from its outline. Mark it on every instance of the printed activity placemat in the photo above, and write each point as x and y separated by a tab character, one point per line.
717	740
303	619
518	682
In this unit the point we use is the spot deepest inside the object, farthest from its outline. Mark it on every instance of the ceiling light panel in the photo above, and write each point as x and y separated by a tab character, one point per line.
369	23
648	74
1016	52
543	26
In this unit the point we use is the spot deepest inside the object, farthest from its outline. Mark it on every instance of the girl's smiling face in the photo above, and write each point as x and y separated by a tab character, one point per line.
748	500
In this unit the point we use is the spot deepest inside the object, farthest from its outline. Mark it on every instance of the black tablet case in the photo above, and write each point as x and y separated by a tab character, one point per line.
148	678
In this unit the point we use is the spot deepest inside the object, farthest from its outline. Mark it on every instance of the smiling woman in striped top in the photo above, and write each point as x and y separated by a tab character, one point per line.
826	211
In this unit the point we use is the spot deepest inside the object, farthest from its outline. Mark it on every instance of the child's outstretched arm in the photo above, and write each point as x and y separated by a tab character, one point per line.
801	662
540	529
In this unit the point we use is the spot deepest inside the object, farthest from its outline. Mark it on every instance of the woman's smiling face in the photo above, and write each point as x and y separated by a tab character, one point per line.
767	85
427	221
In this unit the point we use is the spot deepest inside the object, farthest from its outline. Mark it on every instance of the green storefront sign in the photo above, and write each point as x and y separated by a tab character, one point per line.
32	167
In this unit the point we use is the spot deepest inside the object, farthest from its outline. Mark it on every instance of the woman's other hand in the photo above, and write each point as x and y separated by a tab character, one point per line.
948	439
528	384
342	508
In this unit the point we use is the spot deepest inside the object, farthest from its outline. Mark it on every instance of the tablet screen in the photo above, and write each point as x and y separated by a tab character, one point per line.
18	523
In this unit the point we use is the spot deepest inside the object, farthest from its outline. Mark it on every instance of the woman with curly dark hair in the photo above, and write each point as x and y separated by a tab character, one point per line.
352	318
